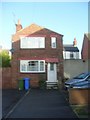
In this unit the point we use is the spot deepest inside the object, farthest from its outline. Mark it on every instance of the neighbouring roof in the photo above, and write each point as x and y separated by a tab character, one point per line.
88	35
70	48
34	28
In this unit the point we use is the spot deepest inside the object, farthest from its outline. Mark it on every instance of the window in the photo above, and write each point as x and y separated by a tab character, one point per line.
71	55
53	42
32	42
51	66
32	66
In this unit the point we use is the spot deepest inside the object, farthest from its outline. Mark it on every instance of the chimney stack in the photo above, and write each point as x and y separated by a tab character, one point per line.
75	42
18	26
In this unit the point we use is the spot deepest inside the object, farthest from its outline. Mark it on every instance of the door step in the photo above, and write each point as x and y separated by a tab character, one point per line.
52	85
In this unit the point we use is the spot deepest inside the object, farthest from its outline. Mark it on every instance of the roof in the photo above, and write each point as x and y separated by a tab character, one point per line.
30	29
68	45
71	48
88	35
34	28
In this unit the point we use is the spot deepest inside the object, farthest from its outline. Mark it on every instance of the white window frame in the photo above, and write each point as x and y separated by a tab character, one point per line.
26	66
53	42
32	42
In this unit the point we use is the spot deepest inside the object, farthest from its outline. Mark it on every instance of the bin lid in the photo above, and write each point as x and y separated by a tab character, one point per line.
84	84
26	78
20	79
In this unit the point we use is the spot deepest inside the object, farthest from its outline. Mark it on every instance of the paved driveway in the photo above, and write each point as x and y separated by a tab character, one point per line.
42	104
9	99
0	104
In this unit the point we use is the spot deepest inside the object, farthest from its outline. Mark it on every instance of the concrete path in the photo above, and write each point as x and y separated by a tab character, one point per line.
43	104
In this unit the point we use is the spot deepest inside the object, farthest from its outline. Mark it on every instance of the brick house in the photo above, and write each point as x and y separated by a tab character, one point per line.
85	52
37	53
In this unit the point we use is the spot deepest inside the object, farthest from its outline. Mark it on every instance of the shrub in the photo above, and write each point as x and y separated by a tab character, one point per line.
42	84
4	59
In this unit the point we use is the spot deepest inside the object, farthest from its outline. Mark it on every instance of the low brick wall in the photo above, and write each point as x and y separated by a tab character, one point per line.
0	78
79	96
6	78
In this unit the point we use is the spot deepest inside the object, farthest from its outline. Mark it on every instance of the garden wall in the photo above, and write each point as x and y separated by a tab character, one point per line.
6	78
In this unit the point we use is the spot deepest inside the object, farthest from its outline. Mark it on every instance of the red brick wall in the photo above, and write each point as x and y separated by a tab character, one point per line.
0	78
48	52
6	78
85	54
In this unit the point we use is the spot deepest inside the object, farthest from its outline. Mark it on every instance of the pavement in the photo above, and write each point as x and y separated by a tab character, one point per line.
37	103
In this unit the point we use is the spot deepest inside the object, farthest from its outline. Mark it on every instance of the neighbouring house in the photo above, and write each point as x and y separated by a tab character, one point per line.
37	53
85	52
71	51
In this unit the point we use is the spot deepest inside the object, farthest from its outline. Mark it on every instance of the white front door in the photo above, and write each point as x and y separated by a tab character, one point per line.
51	72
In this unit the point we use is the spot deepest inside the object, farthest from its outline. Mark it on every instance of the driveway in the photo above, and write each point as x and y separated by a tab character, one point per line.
42	104
9	98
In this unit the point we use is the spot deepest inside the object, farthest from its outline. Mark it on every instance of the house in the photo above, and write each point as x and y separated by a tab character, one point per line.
37	53
71	51
85	52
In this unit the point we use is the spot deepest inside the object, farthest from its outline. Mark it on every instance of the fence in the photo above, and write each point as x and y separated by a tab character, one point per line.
75	67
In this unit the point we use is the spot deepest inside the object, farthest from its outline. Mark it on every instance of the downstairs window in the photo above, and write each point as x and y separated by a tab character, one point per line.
33	66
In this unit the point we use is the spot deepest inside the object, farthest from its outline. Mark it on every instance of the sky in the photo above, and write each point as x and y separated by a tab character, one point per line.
67	18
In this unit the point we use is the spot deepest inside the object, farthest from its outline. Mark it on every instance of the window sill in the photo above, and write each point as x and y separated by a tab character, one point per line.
32	72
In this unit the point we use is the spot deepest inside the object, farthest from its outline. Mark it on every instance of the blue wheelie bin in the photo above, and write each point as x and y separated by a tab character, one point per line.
27	83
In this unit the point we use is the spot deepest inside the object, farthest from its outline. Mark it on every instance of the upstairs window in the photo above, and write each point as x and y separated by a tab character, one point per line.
32	42
53	42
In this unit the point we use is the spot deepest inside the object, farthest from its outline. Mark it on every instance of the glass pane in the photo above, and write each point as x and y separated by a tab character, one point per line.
23	67
53	42
41	66
51	66
32	66
32	42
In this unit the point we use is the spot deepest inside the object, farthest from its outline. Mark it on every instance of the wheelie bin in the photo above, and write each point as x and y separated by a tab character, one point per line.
27	83
21	84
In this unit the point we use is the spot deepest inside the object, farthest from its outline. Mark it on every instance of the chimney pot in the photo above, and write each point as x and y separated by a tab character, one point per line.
19	22
18	26
74	42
